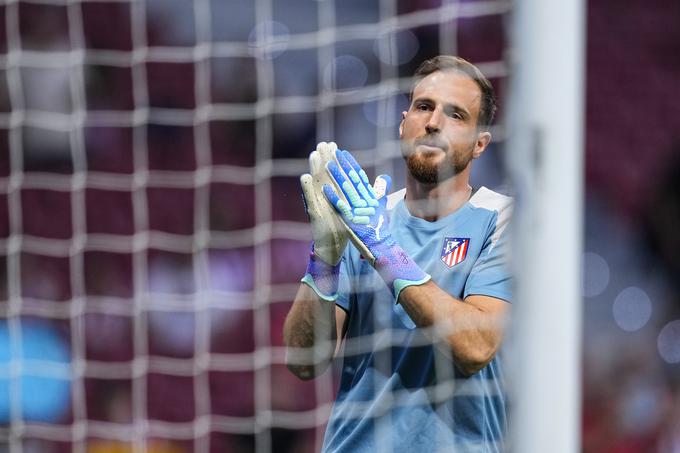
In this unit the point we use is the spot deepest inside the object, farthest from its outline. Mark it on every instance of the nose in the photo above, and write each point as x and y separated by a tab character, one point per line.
434	123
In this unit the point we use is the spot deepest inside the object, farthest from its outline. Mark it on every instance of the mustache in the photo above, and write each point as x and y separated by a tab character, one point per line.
431	140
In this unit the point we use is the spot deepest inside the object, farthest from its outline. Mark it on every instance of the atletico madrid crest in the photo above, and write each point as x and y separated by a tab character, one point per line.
454	250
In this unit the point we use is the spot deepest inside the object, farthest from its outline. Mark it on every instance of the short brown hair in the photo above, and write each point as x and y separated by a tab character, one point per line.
487	108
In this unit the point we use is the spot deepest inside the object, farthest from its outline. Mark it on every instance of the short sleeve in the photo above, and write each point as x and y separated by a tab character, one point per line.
490	275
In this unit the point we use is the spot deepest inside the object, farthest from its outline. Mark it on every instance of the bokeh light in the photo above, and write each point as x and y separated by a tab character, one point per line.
268	39
43	360
398	49
668	342
346	72
632	309
595	274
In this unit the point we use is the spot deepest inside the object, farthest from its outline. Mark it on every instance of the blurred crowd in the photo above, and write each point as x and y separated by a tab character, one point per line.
162	303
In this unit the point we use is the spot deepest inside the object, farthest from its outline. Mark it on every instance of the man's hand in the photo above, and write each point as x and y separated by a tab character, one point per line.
330	238
363	210
328	233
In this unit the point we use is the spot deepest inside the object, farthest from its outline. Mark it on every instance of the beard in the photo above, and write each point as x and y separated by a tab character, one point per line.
426	168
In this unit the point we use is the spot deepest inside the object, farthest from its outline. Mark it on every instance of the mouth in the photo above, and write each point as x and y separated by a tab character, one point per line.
429	148
430	145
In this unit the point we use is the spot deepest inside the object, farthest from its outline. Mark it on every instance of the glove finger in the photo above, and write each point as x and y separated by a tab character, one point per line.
382	186
308	195
324	153
359	179
356	167
315	163
345	163
340	206
344	184
327	151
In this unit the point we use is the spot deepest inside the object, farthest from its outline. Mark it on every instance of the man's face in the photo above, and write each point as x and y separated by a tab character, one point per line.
439	135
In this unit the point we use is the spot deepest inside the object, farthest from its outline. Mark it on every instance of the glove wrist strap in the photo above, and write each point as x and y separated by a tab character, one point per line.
322	277
399	271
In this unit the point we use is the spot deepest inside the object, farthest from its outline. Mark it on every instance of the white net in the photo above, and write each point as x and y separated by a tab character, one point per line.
153	234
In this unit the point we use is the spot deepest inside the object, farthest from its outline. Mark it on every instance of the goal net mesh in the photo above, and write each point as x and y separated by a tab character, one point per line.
152	230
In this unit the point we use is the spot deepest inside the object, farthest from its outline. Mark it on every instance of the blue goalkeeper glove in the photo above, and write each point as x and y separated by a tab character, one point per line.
363	210
328	233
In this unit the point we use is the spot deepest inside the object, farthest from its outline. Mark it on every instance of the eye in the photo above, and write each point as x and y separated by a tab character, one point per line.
422	107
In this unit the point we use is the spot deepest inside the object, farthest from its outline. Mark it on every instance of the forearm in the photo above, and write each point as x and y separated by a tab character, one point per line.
471	333
309	334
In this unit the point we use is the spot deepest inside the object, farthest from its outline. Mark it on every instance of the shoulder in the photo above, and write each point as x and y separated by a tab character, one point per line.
494	202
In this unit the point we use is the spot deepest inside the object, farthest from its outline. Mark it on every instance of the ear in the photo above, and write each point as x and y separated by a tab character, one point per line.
483	139
401	124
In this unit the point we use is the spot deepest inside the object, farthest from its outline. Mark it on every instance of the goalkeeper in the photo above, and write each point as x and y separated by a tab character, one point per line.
421	294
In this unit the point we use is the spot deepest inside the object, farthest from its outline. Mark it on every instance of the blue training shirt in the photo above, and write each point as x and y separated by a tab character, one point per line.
397	391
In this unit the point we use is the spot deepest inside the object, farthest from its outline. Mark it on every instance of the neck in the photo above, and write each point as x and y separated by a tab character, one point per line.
434	201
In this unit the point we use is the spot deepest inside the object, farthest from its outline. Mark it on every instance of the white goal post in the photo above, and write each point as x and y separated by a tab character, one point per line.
545	122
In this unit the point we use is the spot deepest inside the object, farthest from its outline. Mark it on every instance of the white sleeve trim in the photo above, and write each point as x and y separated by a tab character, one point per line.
493	201
395	197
